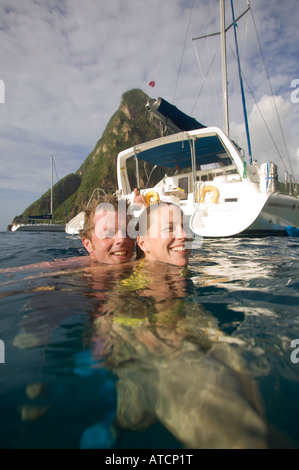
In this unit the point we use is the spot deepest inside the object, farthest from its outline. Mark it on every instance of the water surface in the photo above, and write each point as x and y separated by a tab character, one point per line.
149	356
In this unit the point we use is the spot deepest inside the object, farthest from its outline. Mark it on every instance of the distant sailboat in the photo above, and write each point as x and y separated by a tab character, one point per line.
40	227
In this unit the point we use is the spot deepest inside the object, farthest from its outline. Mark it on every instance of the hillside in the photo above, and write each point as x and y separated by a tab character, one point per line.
130	124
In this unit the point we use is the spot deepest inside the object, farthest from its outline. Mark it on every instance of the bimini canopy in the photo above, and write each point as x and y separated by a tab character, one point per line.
172	116
208	150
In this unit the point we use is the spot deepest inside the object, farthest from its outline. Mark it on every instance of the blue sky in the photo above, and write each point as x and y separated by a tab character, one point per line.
66	63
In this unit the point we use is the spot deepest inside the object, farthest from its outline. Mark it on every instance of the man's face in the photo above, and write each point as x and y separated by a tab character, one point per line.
109	242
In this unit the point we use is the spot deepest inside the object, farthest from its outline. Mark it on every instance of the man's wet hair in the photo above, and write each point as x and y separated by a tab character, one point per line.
93	207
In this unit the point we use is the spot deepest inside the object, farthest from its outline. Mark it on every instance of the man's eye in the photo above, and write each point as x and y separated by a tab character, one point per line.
107	234
167	228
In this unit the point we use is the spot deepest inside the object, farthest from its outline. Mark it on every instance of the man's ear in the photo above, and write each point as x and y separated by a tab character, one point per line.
142	243
87	244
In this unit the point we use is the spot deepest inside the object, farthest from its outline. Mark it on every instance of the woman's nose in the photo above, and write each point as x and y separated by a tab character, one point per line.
183	232
180	232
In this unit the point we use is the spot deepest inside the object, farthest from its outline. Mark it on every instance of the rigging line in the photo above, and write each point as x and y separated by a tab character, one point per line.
156	70
272	94
241	84
197	58
244	39
205	79
209	52
183	52
257	105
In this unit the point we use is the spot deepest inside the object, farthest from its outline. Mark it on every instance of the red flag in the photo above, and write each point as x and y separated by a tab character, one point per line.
152	83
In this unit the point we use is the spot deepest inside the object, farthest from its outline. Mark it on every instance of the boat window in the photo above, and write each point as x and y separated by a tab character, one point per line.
183	184
210	153
211	166
206	177
149	174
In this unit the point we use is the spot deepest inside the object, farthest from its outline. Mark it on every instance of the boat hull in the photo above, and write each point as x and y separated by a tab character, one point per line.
75	225
279	212
258	215
39	228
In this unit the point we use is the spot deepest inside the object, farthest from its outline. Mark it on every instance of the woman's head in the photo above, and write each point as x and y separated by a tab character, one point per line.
164	234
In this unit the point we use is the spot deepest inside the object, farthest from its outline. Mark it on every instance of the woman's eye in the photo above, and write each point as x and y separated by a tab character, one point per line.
167	229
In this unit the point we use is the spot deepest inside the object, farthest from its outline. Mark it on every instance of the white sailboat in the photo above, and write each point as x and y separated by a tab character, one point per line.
41	227
206	174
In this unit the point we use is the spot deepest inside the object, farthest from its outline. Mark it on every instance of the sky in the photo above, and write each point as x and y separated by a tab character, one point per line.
64	65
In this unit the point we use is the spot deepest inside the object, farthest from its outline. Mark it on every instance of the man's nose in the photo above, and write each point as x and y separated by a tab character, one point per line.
121	233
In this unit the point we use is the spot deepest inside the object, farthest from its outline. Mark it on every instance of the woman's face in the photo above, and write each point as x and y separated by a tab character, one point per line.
168	238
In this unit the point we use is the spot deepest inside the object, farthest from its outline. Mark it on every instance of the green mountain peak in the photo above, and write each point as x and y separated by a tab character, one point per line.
130	125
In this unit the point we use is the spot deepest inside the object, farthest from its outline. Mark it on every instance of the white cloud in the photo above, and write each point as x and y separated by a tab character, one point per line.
267	141
66	63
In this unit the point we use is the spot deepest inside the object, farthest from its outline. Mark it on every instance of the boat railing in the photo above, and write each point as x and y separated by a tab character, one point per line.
198	192
290	186
99	192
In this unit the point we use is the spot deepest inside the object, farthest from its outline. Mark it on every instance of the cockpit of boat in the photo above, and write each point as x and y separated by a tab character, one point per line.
174	167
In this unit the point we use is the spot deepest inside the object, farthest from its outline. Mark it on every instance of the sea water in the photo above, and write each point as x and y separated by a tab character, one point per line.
147	358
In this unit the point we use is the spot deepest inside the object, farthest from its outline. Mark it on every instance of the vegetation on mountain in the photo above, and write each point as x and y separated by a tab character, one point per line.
131	124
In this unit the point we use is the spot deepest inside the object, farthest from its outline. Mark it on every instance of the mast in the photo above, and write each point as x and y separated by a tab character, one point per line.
51	199
224	67
222	33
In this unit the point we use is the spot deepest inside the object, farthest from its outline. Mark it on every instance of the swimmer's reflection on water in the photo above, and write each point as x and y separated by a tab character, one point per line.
173	363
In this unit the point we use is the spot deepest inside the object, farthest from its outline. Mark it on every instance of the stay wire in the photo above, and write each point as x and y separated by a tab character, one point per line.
272	94
261	114
204	81
183	52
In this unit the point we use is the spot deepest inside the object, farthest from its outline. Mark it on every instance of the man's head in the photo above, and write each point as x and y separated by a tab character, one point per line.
105	231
